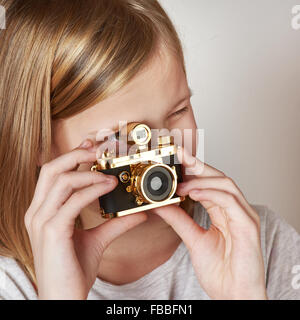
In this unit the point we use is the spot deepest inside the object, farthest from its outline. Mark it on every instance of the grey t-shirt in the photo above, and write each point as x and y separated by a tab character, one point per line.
176	279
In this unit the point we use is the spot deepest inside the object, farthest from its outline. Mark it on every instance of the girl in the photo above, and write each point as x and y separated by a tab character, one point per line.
69	69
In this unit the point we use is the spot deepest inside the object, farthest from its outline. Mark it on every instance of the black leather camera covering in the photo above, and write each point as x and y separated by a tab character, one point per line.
119	199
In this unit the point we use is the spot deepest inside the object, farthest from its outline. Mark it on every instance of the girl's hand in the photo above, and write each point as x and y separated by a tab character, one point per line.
227	258
67	259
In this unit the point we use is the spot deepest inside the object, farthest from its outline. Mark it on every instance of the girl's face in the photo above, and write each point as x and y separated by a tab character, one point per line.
158	96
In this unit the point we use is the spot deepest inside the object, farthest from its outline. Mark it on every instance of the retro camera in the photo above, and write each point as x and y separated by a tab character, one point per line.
147	178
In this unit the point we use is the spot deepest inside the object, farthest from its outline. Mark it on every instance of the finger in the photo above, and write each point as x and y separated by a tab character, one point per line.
183	224
219	183
65	218
52	169
64	187
113	228
235	213
195	167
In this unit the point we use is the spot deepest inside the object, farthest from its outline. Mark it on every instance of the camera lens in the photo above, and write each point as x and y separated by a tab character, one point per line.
158	183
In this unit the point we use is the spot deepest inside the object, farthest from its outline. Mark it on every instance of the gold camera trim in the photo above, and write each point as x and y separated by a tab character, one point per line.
140	160
110	162
137	182
133	133
140	208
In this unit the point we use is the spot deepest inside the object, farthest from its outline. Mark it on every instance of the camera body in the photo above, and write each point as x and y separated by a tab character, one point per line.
147	178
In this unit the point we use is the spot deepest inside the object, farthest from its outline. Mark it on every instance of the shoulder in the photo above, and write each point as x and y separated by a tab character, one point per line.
281	250
14	284
275	230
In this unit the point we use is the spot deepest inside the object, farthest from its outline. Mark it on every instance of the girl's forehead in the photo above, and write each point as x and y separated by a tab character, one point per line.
147	96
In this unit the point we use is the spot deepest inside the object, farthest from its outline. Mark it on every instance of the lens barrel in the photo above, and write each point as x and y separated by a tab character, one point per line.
157	183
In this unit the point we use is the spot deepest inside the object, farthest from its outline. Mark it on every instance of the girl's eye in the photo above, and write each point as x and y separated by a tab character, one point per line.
179	112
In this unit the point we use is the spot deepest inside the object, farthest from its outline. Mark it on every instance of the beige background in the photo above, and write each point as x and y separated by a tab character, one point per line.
243	62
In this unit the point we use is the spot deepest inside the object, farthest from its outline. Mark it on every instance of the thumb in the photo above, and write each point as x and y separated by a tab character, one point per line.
183	224
111	229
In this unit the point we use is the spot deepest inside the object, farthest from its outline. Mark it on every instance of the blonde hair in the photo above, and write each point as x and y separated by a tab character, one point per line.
58	58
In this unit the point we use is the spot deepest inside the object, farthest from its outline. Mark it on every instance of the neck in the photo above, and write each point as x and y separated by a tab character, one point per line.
138	251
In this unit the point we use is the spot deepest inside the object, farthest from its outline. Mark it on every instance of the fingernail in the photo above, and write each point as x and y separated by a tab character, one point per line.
110	178
92	149
86	144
